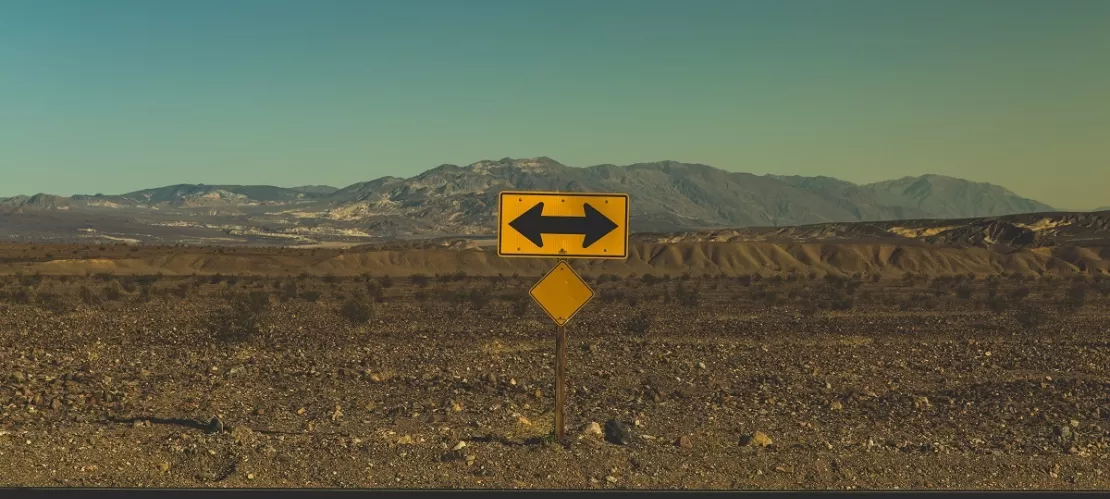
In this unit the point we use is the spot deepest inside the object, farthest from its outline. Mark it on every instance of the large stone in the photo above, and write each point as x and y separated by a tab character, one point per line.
617	432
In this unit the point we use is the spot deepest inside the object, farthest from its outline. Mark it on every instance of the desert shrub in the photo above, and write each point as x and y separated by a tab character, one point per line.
834	281
87	296
375	290
996	302
112	291
420	295
687	297
745	280
52	302
1020	293
520	306
216	279
385	281
181	290
288	291
650	279
1030	317
356	309
875	278
479	298
604	278
242	320
420	280
638	325
919	301
310	296
29	281
964	292
632	300
128	285
1076	295
612	295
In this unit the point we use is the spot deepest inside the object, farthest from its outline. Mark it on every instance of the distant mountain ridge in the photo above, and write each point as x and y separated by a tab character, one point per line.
451	200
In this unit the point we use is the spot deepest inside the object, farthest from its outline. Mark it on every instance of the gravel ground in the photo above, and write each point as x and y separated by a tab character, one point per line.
727	393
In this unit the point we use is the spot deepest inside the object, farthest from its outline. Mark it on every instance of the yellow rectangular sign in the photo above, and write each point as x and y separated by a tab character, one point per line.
562	225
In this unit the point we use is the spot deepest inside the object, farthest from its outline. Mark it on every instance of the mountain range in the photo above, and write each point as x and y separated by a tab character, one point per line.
452	200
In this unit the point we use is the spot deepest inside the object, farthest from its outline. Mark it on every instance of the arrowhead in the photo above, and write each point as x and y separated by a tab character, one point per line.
597	226
528	224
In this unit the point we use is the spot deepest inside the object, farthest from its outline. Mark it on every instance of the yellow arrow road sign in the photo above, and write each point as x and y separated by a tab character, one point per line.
561	293
562	225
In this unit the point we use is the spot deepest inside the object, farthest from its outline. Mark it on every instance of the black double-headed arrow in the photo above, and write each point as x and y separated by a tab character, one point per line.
532	224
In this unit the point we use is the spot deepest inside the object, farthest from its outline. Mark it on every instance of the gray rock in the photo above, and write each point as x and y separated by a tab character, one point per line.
617	432
215	426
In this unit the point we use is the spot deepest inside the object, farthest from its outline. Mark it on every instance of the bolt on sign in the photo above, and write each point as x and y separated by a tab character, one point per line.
532	224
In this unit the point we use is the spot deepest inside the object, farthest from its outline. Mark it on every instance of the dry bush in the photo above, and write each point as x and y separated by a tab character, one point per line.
1075	296
87	296
520	305
53	302
687	297
419	280
242	320
356	309
112	291
1030	317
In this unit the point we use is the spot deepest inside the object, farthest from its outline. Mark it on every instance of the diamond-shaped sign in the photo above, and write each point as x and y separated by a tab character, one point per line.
561	293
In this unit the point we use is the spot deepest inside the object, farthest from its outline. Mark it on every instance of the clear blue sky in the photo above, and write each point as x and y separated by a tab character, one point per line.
111	95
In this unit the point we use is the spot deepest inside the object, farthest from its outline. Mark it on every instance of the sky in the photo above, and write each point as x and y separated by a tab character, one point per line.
113	96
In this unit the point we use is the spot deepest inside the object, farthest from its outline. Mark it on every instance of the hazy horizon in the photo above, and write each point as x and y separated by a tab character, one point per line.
126	95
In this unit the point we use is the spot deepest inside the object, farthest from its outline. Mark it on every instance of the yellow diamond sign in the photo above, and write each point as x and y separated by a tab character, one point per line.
561	293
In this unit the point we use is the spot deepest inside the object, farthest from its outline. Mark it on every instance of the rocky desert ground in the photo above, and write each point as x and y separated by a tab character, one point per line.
677	379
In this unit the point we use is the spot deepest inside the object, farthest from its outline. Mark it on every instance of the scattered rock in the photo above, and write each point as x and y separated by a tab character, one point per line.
593	428
685	442
524	421
215	426
921	402
405	440
164	467
491	378
617	432
611	479
757	439
835	405
701	365
459	446
1063	432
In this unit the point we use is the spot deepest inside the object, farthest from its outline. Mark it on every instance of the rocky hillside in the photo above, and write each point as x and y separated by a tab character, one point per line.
947	197
452	200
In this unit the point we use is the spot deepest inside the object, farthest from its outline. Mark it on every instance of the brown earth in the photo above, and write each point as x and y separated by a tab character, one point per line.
729	258
999	382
